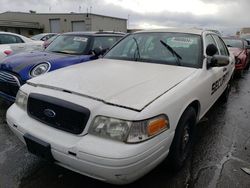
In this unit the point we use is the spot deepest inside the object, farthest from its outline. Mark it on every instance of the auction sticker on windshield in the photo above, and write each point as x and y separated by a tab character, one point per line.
181	41
80	39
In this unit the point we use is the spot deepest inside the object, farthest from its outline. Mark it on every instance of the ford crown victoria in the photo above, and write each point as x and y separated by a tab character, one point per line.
117	118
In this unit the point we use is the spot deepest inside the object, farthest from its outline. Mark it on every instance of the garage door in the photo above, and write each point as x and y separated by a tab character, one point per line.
55	26
78	26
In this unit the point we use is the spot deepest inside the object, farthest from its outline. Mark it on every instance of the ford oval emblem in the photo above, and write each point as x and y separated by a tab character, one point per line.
49	113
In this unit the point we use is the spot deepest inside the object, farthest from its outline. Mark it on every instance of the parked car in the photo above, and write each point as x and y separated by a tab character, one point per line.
11	43
5	50
117	118
49	41
246	37
43	36
240	49
65	50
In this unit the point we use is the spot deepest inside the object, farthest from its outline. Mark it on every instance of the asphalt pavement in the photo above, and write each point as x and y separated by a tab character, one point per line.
222	149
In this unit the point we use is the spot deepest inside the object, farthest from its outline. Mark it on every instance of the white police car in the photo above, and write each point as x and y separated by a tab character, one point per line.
116	118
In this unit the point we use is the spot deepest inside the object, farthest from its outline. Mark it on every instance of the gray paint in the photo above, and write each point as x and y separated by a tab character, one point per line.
78	25
55	25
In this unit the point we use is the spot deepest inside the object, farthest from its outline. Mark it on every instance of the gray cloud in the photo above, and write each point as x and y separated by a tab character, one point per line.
231	15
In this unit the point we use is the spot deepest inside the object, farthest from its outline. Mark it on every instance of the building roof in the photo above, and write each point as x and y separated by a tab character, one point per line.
65	14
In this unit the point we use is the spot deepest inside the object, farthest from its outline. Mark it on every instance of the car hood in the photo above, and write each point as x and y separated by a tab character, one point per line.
235	51
18	62
128	84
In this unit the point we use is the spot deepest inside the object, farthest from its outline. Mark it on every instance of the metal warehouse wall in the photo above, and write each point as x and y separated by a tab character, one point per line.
25	22
108	23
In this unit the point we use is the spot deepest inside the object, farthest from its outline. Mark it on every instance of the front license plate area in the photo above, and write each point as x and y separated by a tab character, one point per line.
38	147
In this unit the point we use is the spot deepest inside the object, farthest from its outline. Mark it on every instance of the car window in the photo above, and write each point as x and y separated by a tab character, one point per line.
210	40
163	48
222	47
235	43
47	37
104	42
9	39
44	38
70	44
37	37
245	43
52	38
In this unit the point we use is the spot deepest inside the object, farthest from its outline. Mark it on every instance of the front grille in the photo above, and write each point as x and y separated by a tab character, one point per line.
9	78
9	84
58	113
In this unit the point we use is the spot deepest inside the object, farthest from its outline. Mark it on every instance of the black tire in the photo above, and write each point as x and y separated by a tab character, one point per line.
183	139
248	65
238	74
224	96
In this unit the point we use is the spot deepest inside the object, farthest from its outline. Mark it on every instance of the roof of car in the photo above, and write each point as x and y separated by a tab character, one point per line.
92	33
176	30
3	32
232	38
47	34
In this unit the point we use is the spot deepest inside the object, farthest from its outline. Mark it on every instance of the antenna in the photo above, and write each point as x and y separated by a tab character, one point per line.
128	20
90	10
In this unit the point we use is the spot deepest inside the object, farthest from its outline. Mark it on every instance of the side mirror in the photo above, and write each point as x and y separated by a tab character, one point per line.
218	61
211	50
98	51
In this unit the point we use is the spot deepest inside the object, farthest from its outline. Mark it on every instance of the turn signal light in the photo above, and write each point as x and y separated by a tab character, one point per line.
156	126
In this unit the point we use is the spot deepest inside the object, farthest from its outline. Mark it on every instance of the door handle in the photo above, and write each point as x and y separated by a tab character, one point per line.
224	69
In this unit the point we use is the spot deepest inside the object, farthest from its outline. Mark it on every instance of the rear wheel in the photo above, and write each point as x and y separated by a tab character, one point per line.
183	139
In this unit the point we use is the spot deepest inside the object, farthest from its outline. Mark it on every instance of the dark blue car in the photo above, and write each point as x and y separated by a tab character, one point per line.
67	49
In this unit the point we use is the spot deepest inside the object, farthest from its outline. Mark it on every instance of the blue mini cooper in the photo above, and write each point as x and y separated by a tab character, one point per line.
67	49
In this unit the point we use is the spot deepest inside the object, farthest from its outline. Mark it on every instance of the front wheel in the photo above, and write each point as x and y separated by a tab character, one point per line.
183	139
248	65
224	96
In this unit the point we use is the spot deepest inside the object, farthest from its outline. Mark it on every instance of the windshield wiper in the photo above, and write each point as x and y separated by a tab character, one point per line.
174	53
137	48
61	52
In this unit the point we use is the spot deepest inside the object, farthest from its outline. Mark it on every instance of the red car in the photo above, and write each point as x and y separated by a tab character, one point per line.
240	49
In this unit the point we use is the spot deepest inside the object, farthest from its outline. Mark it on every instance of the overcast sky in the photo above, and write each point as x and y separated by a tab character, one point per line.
224	15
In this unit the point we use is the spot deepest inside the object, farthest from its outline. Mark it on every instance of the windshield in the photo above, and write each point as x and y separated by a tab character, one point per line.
70	44
37	37
52	39
164	48
234	43
245	36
